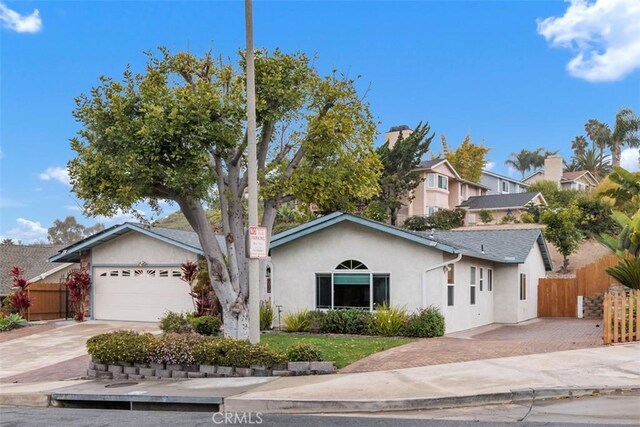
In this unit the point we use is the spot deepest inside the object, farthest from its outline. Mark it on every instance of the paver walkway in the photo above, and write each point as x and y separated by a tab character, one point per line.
536	336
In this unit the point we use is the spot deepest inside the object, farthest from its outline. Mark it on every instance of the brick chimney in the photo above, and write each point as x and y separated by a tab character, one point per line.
393	134
553	169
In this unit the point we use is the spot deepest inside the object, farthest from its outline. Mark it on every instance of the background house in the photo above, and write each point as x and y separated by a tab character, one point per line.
500	205
474	277
554	171
33	259
501	184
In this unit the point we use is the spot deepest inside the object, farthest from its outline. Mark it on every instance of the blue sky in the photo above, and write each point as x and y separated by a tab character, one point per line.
491	69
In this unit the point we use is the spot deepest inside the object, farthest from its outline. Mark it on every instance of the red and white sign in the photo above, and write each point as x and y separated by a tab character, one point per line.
258	245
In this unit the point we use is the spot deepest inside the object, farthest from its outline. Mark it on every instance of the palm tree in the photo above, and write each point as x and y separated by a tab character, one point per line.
593	161
579	145
521	161
625	133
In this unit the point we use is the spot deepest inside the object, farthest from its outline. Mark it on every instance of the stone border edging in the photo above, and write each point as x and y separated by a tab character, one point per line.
156	371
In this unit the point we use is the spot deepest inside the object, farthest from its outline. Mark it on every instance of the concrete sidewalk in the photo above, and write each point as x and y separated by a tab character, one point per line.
509	379
457	384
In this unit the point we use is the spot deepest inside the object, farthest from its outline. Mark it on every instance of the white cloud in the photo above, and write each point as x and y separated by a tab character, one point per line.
57	174
489	166
27	232
13	21
630	159
604	36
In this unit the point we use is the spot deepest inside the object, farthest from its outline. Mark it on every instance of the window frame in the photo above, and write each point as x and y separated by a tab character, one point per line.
502	186
473	295
523	286
445	180
332	274
481	278
451	274
490	279
431	180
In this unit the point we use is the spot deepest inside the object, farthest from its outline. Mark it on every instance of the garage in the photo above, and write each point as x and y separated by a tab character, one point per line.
136	270
139	294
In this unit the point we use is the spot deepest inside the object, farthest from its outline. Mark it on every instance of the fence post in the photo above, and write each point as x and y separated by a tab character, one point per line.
637	298
606	323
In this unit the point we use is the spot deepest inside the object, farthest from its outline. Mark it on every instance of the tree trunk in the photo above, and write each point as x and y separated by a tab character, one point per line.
235	314
565	265
393	216
616	153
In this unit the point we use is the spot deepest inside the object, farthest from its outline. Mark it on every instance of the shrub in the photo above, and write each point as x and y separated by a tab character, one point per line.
527	218
389	321
11	321
174	348
232	352
303	352
346	321
297	321
444	219
121	346
486	216
507	219
175	322
206	325
425	323
19	300
78	284
266	315
315	320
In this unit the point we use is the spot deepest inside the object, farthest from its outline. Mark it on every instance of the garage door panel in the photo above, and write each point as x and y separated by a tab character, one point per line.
139	294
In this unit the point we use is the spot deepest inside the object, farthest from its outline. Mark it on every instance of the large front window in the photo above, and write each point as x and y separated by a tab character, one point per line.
443	182
356	289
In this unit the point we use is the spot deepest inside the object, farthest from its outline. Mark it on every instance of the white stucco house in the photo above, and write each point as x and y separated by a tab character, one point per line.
476	277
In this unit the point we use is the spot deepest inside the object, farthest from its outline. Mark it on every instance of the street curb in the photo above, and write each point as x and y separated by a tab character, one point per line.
333	406
31	400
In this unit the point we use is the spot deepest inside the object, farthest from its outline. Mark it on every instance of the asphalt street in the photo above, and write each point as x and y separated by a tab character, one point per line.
591	411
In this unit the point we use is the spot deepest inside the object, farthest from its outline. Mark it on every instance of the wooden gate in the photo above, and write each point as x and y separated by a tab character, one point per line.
621	320
558	297
48	301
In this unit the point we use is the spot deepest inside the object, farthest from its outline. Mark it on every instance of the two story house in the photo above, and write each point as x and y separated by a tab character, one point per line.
553	171
501	184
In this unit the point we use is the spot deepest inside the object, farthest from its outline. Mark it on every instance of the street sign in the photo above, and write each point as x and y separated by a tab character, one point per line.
257	244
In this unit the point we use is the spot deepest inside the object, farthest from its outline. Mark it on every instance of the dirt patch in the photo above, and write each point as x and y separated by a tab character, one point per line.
589	252
26	331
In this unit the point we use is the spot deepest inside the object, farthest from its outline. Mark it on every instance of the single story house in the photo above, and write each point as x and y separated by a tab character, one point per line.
500	205
476	277
33	259
135	270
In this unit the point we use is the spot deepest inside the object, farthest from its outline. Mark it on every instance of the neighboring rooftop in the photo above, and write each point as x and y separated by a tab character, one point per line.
498	201
399	128
33	258
504	177
428	164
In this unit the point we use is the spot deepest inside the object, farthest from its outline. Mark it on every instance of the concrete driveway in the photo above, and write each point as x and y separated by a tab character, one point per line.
541	335
40	351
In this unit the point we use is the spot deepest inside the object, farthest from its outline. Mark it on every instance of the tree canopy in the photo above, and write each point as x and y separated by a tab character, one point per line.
399	176
178	132
468	159
69	230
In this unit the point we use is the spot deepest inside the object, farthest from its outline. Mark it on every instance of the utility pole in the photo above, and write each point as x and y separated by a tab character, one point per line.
252	170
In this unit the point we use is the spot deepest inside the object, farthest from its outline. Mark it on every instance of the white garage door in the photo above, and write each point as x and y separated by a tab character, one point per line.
139	294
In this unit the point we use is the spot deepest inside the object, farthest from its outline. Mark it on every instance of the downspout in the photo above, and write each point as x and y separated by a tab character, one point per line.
424	276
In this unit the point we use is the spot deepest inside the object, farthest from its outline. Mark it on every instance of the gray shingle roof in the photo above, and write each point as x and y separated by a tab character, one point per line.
426	164
506	246
183	236
498	201
33	258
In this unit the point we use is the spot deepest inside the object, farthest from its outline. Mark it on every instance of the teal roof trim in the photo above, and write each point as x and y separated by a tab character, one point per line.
72	253
338	217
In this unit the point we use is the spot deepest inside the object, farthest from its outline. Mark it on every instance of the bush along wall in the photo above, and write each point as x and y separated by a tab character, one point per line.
125	355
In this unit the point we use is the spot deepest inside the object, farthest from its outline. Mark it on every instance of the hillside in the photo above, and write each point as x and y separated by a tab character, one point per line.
177	220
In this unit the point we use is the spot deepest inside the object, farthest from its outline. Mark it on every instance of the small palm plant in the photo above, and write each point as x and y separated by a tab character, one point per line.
627	272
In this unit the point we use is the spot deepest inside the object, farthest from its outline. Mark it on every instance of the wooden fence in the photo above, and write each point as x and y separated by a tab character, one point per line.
48	301
621	321
557	297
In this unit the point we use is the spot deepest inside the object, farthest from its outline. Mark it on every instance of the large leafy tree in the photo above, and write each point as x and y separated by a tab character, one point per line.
468	159
399	176
178	132
562	230
624	133
69	230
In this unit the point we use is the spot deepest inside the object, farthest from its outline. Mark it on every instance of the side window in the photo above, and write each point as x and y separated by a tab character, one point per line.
431	180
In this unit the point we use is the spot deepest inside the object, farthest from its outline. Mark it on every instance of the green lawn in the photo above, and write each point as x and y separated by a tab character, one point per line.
343	350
